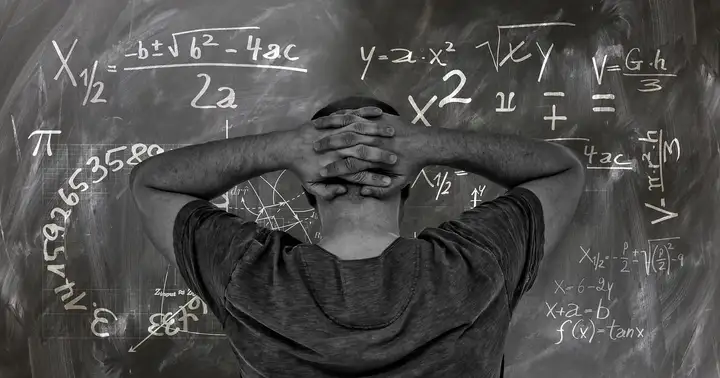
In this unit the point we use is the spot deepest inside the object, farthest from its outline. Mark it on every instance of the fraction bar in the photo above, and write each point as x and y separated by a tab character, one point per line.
535	25
217	29
554	139
554	94
628	168
648	74
601	109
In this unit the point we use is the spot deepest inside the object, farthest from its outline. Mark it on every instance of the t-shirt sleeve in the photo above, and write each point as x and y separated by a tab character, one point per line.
511	227
208	243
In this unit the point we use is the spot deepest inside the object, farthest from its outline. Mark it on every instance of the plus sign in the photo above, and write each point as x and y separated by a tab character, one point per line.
554	117
635	252
156	45
561	312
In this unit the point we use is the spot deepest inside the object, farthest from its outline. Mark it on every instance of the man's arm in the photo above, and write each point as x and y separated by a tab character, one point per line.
552	172
163	184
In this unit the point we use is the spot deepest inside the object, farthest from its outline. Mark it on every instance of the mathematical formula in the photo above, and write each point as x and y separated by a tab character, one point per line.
201	43
660	256
243	47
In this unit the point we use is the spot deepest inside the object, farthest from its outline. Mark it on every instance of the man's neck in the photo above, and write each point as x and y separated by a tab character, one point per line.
360	227
357	246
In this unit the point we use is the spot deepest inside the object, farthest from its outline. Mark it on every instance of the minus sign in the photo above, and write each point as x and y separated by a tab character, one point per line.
133	54
157	54
230	50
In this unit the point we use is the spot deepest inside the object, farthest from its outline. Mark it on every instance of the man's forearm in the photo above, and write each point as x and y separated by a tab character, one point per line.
507	160
207	170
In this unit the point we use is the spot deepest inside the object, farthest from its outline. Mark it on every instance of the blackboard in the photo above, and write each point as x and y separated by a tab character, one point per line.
90	88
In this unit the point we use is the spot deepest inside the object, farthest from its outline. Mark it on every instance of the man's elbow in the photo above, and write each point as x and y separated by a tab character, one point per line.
575	181
136	181
576	169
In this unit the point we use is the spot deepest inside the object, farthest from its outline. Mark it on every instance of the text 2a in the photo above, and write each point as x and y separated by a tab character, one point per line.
228	101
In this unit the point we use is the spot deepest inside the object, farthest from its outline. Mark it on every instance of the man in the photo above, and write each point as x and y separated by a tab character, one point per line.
363	301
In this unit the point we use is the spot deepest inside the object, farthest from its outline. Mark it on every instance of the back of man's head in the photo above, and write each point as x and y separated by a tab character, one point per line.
354	102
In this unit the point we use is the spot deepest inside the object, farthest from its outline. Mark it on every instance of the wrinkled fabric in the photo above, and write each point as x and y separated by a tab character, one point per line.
438	305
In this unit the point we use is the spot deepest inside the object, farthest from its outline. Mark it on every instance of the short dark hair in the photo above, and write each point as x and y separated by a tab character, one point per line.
354	102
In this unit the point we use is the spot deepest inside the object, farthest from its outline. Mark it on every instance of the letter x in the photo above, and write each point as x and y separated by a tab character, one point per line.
550	310
640	331
421	113
585	254
583	332
64	61
436	57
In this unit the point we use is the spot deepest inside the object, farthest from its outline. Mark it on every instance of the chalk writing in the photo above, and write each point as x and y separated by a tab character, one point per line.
450	98
477	192
89	80
631	67
98	320
513	50
600	312
587	330
440	181
227	102
207	40
505	107
662	149
55	231
599	159
49	134
603	109
660	256
601	286
402	55
554	117
172	324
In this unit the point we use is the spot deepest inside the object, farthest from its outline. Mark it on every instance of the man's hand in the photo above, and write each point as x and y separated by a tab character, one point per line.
409	144
360	137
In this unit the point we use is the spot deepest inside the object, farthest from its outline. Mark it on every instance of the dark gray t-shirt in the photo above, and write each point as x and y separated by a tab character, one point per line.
438	305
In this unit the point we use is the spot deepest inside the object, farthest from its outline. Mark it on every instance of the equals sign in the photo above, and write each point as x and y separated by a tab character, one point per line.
601	109
382	57
613	68
112	68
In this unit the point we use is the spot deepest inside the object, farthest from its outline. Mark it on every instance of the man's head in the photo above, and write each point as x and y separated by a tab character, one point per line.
353	190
